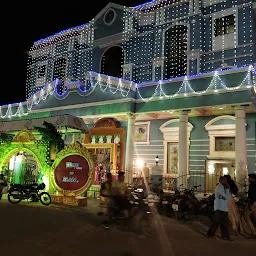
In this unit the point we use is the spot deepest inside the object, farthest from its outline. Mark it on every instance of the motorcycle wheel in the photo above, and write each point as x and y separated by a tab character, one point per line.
15	196
45	198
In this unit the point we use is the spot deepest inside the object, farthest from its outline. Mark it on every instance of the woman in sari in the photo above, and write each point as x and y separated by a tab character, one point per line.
240	222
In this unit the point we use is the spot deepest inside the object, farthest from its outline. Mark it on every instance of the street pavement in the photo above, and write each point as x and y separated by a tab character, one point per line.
33	229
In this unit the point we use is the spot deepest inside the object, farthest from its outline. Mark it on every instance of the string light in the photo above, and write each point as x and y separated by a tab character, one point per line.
151	52
49	58
19	112
124	87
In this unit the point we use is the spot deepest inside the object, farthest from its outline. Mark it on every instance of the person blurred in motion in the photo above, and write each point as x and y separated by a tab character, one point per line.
239	219
233	211
105	190
252	197
105	195
120	194
220	218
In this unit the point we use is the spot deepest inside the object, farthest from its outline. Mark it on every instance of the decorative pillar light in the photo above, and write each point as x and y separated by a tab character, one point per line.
129	154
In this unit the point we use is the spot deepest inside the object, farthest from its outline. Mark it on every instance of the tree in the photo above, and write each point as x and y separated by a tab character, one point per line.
6	138
51	136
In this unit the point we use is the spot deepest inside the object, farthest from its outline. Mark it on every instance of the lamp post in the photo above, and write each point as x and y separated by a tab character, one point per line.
157	160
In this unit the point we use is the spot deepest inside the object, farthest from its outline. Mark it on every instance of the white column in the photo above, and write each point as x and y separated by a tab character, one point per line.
240	145
183	147
129	152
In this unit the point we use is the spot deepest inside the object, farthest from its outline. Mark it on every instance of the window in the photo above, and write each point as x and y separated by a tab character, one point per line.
172	158
59	70
41	71
109	17
176	51
224	25
224	143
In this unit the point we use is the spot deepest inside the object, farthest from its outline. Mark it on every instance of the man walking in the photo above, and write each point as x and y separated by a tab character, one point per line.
220	217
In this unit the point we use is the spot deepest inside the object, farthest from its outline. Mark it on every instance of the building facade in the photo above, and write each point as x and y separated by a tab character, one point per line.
178	76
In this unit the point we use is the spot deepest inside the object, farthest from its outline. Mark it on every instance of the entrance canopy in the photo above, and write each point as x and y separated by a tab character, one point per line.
60	122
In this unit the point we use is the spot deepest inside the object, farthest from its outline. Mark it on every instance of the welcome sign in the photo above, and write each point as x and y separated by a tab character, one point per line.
72	172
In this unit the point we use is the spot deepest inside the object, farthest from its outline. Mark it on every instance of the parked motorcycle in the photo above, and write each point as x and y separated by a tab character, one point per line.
19	192
185	203
166	201
207	205
166	205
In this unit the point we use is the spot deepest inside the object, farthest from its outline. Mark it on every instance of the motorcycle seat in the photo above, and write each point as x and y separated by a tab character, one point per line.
24	185
16	185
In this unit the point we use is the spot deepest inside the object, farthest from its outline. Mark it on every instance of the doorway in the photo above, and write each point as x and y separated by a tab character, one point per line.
105	160
216	168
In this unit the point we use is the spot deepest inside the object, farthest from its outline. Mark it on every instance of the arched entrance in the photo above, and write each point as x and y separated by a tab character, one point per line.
112	61
30	155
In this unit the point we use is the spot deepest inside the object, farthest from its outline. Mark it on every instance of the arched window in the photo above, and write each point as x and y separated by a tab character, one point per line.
59	72
175	51
112	61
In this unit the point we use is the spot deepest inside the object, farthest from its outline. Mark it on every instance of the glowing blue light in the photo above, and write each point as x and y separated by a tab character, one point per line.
66	31
34	98
66	89
150	4
84	91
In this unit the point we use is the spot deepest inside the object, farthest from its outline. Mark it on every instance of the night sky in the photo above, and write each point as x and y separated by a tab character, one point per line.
25	23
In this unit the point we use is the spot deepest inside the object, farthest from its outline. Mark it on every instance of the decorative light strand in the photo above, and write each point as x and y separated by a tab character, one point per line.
20	111
143	41
124	87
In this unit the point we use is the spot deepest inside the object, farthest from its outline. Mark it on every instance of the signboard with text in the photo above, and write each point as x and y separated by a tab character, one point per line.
72	172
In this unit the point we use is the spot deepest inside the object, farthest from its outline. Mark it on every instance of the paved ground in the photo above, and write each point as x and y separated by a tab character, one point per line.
33	229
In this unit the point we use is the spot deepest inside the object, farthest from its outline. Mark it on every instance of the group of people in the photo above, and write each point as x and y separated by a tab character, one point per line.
101	172
226	212
114	194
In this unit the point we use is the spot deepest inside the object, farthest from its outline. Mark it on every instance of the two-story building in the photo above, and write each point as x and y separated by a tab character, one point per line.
173	79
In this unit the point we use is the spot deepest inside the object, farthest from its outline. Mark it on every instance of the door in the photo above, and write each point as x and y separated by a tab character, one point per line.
215	169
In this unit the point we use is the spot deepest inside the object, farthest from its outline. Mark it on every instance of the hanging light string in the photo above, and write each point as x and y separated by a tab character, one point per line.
115	85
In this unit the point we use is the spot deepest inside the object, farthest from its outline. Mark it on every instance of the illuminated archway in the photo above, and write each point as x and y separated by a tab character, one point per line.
26	142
